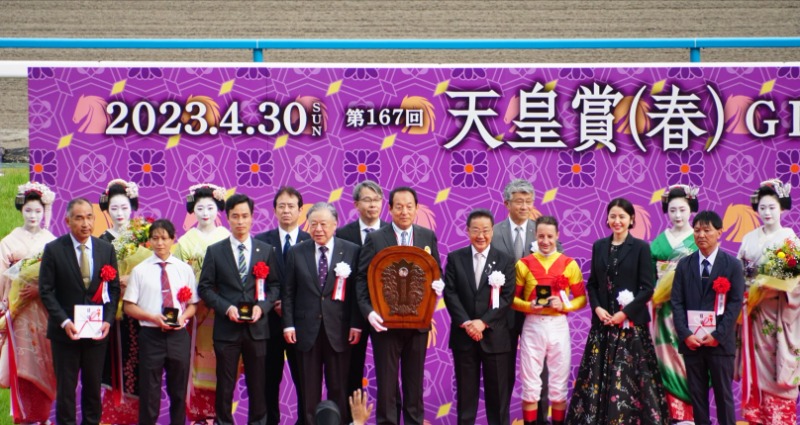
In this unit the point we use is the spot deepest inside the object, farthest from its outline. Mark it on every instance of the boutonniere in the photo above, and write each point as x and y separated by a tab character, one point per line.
342	271
624	298
560	284
721	286
496	280
427	249
184	295
107	274
534	246
260	272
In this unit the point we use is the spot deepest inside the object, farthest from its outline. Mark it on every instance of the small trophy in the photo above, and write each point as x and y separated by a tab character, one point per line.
543	293
171	315
245	311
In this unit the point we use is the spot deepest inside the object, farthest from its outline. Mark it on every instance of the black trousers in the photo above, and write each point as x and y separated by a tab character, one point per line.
274	374
403	350
701	366
468	365
322	358
86	356
162	351
253	353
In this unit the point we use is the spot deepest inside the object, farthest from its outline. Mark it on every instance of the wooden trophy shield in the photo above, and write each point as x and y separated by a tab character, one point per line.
399	280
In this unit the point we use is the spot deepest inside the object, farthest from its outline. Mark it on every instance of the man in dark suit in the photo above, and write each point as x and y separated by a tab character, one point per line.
368	200
516	236
232	280
391	347
320	312
70	275
286	204
478	329
708	354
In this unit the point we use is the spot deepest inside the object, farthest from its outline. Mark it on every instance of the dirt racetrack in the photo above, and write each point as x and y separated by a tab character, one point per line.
383	19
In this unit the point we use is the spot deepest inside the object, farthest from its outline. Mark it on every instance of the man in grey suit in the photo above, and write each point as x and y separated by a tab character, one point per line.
69	275
394	349
320	312
516	236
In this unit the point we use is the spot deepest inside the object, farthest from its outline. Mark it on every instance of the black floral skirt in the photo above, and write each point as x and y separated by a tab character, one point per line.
618	381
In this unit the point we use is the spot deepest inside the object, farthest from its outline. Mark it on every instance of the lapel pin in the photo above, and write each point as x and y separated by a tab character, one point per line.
427	249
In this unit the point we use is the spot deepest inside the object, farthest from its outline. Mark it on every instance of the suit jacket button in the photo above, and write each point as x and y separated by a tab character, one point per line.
319	317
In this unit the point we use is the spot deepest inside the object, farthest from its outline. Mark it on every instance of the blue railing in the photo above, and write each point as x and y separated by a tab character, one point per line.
259	45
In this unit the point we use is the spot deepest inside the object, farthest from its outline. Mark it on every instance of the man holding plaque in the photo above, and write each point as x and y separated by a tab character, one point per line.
78	270
238	283
708	283
479	286
397	349
161	294
320	313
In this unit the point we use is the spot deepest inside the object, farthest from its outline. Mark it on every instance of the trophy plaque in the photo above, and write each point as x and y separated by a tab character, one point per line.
399	280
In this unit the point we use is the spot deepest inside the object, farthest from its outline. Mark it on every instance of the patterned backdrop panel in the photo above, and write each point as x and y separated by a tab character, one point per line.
458	135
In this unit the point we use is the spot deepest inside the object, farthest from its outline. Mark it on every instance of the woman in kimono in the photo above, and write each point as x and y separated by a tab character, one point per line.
204	201
674	243
121	374
771	366
29	362
618	380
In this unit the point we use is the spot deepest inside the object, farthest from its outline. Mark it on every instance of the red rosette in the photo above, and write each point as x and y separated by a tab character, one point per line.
721	285
260	270
560	283
184	294
108	273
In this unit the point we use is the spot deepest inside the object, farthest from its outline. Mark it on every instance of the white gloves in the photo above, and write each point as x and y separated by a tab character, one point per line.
376	321
438	287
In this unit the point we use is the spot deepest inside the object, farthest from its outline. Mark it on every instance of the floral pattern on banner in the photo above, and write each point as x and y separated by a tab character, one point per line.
308	168
254	168
43	166
630	168
576	169
739	169
685	167
415	168
523	167
360	165
40	114
200	168
469	168
147	167
788	167
92	168
145	73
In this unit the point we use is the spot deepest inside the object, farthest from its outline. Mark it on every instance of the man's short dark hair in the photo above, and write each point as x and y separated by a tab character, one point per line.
479	213
402	189
163	224
547	219
287	190
76	201
236	199
708	217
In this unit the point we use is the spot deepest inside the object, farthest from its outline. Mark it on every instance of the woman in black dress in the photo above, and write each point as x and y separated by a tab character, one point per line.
618	381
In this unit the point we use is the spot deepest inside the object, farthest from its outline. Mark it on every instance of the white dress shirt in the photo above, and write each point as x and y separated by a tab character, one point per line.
144	285
398	232
292	236
362	226
248	249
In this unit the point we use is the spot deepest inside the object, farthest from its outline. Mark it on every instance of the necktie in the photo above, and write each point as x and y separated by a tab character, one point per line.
242	264
323	266
86	274
166	291
478	269
366	231
286	246
404	238
519	249
706	273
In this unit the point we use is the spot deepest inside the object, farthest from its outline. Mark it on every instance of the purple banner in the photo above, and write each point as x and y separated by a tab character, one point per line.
581	136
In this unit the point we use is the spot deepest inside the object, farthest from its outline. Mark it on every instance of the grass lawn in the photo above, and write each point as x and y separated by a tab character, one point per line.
9	219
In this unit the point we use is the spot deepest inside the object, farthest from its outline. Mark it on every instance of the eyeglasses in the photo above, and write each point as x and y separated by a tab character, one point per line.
371	200
476	232
522	202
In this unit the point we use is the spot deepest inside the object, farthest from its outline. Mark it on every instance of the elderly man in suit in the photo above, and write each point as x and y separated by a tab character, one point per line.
286	204
708	353
320	312
368	200
70	275
238	274
516	236
394	349
478	328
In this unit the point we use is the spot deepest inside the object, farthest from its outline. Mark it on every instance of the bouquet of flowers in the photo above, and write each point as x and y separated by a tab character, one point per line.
780	267
22	274
133	245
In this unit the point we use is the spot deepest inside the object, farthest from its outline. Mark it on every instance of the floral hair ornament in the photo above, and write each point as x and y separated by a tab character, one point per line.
690	193
131	191
217	193
782	191
46	196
